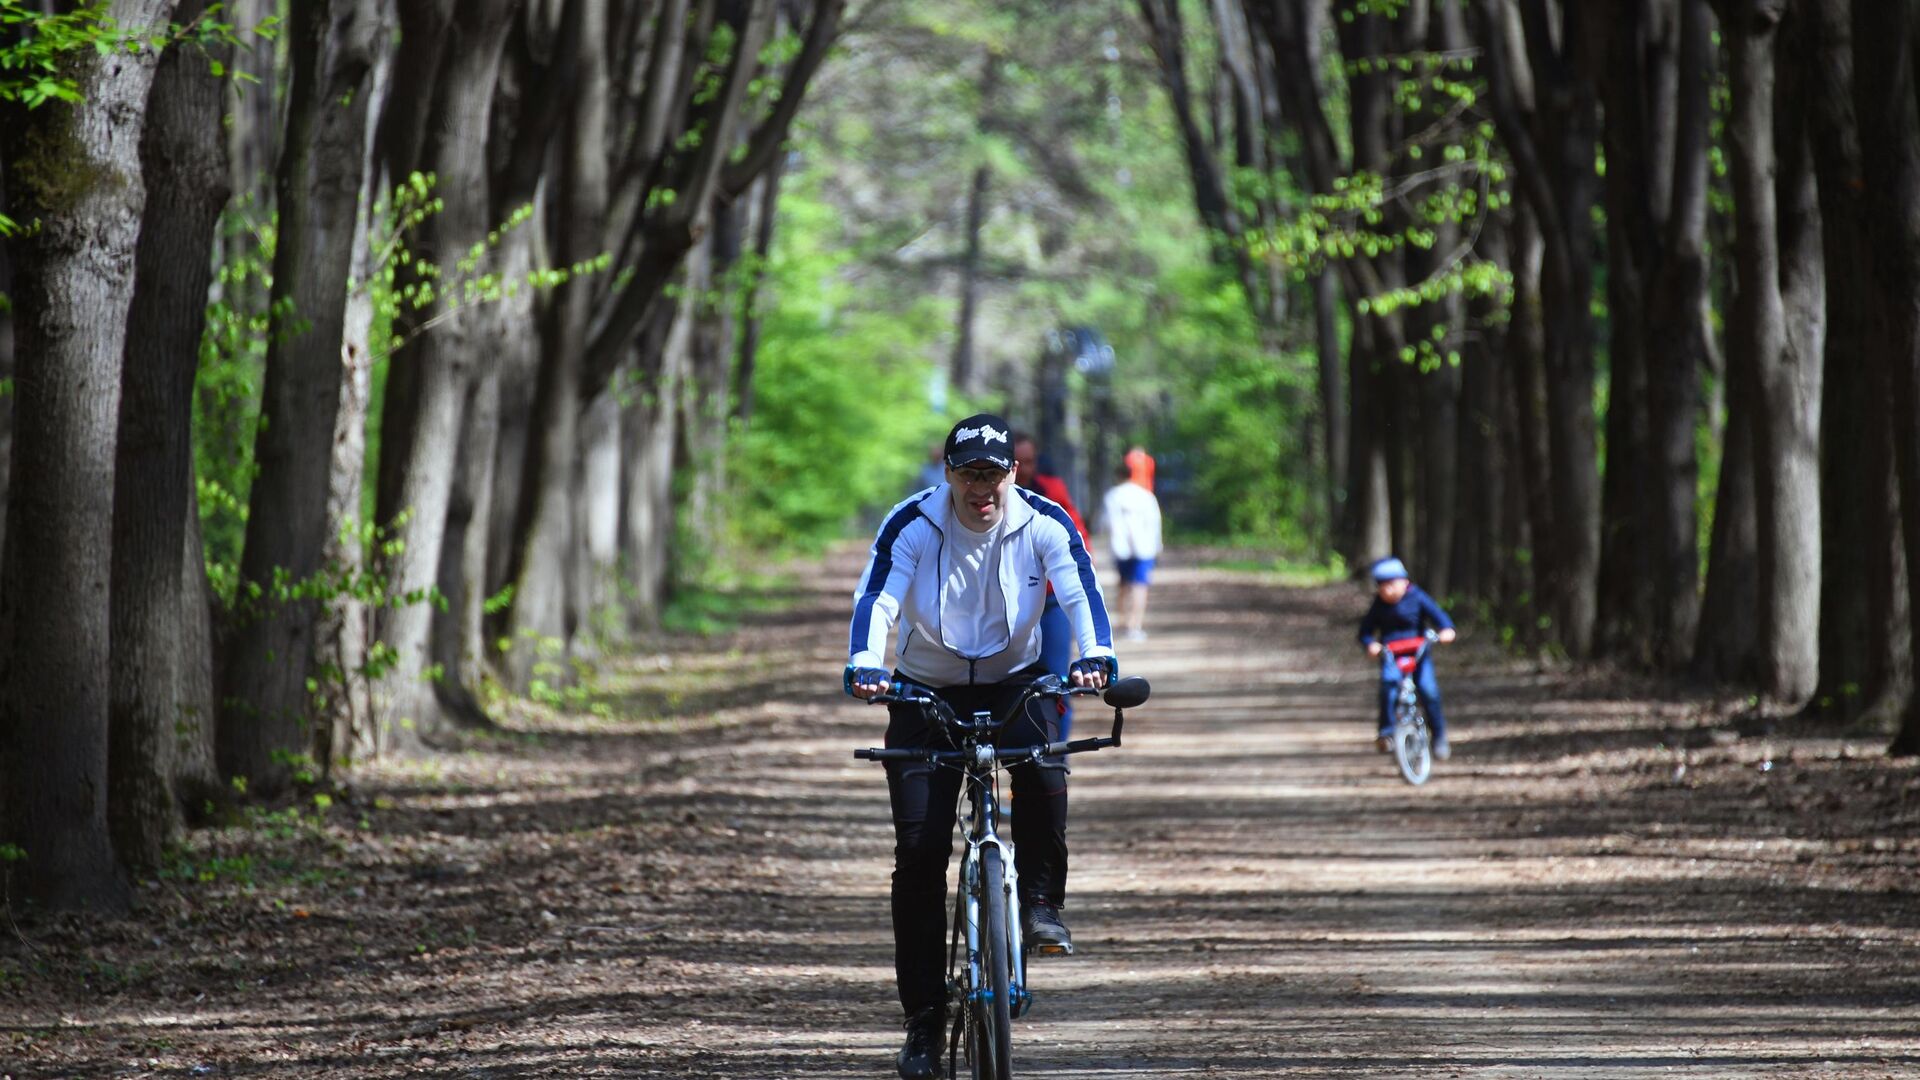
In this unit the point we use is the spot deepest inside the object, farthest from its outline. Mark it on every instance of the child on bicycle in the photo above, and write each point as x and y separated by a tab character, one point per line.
1402	610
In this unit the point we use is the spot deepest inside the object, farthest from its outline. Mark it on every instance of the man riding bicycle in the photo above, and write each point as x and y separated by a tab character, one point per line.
963	568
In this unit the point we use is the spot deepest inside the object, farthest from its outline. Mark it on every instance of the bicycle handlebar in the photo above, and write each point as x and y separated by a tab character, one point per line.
1000	753
1134	692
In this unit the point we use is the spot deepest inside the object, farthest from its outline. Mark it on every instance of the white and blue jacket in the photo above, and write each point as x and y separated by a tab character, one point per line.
902	583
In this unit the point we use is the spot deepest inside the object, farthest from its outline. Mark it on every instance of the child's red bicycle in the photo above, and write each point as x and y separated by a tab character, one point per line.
1412	739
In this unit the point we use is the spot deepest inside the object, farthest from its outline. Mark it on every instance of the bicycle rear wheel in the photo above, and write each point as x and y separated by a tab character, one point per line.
991	1010
1413	745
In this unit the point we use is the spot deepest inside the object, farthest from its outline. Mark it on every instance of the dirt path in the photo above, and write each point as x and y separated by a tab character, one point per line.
692	883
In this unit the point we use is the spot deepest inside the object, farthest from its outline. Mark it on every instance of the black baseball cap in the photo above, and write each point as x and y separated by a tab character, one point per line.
982	437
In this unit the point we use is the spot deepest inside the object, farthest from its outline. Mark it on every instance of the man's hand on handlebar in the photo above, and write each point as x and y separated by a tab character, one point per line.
1092	672
867	683
1373	648
1446	636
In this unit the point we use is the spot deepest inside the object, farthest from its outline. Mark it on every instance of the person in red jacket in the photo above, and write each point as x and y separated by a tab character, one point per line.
1056	632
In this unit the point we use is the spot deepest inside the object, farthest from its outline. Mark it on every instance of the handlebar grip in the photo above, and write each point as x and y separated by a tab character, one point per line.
876	753
1077	746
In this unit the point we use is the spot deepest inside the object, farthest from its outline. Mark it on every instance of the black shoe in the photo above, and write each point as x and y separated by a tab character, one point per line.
1043	931
920	1058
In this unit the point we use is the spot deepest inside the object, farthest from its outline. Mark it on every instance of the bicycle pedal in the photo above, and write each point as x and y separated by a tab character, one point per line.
1054	949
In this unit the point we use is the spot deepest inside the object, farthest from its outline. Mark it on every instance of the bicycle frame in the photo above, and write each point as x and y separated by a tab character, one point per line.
1411	739
981	790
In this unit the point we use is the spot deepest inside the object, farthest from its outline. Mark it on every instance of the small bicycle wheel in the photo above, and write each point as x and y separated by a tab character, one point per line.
1412	745
991	1009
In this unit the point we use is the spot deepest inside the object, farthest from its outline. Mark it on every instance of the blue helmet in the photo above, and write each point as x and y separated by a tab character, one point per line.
1389	569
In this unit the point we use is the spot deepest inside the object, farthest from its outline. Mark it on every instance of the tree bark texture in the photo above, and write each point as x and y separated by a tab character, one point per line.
344	729
1526	364
705	425
1726	650
1334	419
1779	323
265	704
962	369
599	499
765	218
423	425
540	623
1884	88
1865	669
74	171
1552	141
1483	542
650	430
185	168
6	372
1625	599
1680	347
456	653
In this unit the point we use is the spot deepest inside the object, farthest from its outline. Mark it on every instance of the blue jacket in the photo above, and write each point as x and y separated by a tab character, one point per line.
1408	618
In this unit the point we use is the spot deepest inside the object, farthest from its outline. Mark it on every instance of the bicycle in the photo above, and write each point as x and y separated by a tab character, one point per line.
990	987
1412	739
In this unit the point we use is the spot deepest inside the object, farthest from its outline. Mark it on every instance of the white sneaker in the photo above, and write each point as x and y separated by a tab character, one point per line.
1136	635
1441	750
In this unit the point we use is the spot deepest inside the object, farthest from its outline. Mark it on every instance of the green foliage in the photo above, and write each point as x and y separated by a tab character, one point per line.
1242	412
36	68
842	417
226	400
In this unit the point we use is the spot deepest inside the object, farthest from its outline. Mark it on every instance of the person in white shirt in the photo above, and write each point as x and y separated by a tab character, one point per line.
963	569
1133	529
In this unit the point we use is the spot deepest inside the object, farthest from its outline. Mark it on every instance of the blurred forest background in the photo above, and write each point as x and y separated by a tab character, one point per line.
369	362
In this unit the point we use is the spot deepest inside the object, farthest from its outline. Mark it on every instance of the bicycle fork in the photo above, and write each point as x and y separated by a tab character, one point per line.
982	835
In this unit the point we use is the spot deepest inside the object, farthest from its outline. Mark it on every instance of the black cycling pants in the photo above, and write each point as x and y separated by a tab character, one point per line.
925	803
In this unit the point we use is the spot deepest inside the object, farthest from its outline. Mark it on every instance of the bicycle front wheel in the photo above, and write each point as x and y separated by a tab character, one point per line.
1413	746
992	1005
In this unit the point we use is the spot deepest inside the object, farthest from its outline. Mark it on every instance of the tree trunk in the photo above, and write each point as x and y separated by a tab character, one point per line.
705	425
253	130
6	371
1625	600
1370	514
196	775
1482	541
1679	347
463	554
598	525
184	162
1776	316
517	357
74	174
1526	349
1552	140
265	703
1727	648
962	370
344	730
1334	421
545	546
423	425
650	430
765	218
1865	660
1884	88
